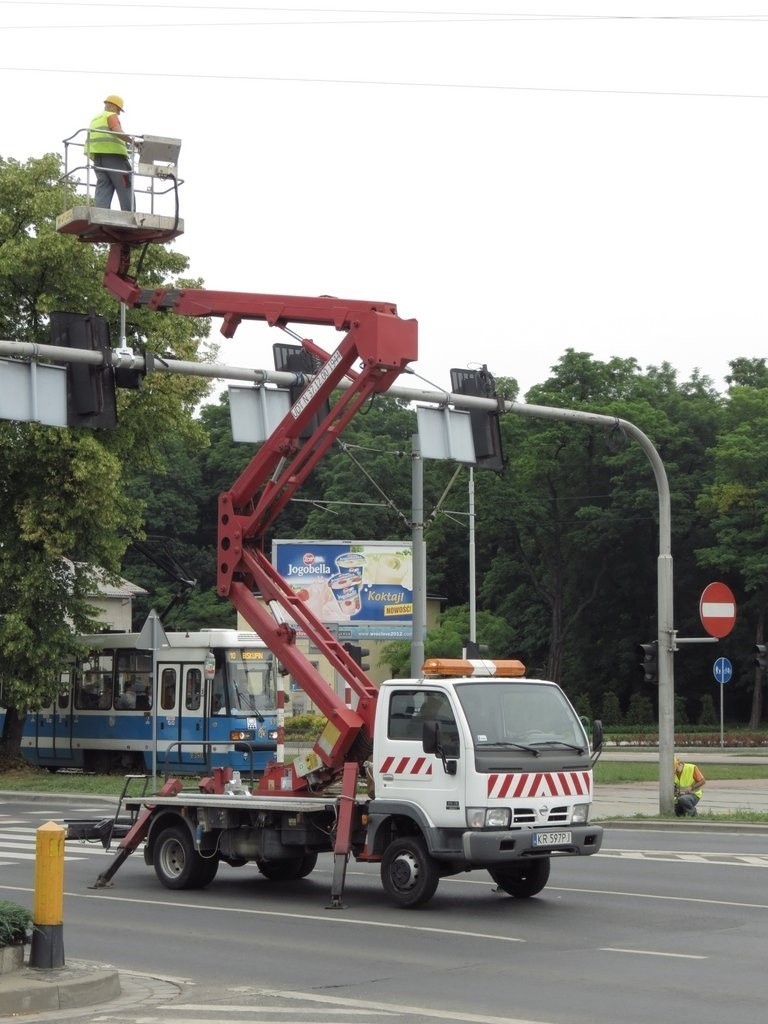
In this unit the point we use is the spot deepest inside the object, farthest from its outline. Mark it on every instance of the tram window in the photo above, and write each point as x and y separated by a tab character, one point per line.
168	689
194	689
134	680
65	681
93	686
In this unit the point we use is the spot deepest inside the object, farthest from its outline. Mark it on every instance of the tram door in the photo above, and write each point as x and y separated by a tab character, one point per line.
181	732
53	727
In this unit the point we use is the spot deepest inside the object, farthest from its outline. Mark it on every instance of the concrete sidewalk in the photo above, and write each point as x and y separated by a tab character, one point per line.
642	799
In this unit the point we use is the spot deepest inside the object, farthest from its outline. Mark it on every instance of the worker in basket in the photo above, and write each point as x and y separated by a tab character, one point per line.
689	782
107	146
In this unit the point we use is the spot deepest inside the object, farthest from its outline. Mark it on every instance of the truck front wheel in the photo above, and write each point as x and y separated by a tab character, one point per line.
522	880
177	863
408	873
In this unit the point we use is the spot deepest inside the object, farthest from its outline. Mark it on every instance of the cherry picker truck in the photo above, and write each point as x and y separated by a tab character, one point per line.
470	766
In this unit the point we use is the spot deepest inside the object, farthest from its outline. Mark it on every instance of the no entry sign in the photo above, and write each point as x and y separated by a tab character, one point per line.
717	609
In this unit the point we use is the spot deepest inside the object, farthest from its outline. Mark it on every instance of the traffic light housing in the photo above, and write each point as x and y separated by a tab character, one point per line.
486	431
475	651
296	359
90	388
649	654
357	653
761	657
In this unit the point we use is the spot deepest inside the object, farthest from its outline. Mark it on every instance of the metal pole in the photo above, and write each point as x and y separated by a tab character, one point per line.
472	567
419	618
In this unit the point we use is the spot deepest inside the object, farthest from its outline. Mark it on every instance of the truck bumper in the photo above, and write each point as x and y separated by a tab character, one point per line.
482	848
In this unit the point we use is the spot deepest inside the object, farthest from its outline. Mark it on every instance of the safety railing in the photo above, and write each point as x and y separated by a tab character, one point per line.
226	747
154	170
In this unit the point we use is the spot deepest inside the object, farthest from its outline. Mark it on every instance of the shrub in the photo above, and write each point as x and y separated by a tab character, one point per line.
15	924
306	726
611	711
640	710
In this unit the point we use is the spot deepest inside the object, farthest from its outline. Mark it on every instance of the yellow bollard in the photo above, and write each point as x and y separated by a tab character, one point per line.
47	949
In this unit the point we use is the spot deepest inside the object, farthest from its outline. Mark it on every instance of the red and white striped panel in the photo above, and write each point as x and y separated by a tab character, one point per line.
406	766
532	785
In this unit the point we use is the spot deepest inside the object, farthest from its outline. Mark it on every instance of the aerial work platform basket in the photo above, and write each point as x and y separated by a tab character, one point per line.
155	188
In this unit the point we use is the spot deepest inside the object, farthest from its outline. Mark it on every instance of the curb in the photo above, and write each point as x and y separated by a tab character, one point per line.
29	990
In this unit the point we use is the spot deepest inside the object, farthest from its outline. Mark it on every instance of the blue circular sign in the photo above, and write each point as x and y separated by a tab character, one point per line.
722	670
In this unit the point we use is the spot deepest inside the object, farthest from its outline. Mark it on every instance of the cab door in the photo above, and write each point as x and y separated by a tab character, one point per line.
404	771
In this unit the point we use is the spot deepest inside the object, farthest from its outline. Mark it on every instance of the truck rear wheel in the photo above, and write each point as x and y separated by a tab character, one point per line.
177	863
289	868
408	873
522	880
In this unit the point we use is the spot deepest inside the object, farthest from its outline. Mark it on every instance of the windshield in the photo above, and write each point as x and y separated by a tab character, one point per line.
526	715
251	682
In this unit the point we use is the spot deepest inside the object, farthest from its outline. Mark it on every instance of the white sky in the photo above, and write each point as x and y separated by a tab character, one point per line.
536	176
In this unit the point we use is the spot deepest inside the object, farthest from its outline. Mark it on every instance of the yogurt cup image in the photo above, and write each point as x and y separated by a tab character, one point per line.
345	587
351	562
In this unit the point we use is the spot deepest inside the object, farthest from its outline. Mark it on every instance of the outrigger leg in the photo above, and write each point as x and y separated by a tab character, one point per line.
135	836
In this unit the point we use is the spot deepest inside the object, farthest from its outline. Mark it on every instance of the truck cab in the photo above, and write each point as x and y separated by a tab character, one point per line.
478	770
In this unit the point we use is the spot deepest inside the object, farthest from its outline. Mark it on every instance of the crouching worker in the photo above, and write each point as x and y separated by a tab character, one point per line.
689	782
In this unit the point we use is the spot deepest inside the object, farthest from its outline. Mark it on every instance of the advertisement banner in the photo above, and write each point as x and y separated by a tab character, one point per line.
363	588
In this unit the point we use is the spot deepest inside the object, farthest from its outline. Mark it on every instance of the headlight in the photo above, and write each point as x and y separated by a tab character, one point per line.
488	817
273	734
580	814
241	734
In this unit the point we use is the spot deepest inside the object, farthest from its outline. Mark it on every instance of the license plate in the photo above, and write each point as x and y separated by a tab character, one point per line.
551	838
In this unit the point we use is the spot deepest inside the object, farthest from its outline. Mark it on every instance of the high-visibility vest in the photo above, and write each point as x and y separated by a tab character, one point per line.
686	777
101	141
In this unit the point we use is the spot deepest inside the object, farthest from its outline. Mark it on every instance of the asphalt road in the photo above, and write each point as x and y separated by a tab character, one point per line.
663	924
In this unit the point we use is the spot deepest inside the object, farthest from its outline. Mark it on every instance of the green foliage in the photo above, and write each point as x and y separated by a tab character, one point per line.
304	726
15	924
611	709
681	710
707	715
583	706
640	711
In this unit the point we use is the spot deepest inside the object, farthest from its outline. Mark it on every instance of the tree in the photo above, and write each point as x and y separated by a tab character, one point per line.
736	504
65	504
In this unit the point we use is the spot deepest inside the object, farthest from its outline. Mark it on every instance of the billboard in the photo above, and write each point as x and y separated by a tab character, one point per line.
355	588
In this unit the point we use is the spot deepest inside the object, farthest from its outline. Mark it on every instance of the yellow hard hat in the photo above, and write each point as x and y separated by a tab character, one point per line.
117	100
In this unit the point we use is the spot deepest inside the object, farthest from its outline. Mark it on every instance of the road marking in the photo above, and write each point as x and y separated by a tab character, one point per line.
752	860
650	952
358	1005
656	896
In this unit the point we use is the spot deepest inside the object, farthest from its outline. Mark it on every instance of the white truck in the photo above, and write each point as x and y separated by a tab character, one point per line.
469	770
470	766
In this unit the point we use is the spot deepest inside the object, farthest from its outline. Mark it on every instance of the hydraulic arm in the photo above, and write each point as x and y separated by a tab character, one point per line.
377	346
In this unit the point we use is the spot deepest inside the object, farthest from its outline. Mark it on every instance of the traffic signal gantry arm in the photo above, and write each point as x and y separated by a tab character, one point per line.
383	344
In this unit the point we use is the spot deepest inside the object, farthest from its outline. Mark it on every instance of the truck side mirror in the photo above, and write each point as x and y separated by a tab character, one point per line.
433	744
597	740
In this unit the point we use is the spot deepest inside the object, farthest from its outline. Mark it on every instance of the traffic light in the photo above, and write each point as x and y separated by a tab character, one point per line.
650	661
474	650
357	654
761	657
296	359
486	432
90	388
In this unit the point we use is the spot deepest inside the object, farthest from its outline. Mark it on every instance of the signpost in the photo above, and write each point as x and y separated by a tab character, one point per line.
717	609
722	670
